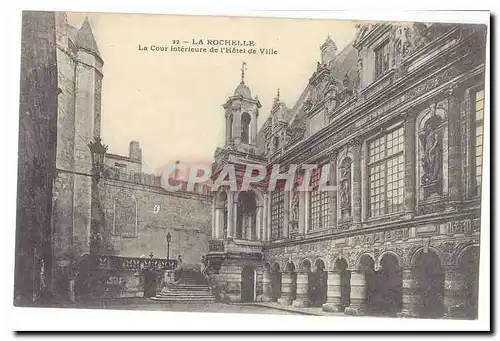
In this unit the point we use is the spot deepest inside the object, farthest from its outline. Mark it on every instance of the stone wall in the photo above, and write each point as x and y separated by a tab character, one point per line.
139	216
36	161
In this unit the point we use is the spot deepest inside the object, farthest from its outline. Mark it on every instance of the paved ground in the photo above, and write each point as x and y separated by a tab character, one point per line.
146	304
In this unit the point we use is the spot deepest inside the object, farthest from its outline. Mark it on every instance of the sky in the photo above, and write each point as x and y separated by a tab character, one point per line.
171	102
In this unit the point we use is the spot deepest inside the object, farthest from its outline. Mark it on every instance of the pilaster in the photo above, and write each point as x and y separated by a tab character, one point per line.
410	163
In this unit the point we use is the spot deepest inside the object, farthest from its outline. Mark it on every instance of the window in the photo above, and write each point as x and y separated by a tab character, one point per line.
386	173
245	127
478	140
318	209
277	211
381	59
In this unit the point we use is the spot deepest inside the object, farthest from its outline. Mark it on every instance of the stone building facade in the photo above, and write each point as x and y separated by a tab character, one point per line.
394	123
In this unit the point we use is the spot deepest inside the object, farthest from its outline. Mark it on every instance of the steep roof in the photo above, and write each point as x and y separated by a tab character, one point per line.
85	39
343	64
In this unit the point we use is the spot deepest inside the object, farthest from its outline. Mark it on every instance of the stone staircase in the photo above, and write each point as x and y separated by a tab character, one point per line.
191	288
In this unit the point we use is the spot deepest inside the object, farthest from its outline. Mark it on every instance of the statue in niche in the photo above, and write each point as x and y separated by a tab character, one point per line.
294	206
432	162
345	187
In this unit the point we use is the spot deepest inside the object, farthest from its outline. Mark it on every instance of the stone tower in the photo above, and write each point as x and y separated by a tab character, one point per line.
79	74
241	113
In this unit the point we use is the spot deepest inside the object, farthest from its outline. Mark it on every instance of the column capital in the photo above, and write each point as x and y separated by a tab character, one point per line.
454	91
409	115
332	156
355	144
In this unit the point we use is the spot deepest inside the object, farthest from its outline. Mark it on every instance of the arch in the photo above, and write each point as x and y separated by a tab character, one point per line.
276	266
388	294
429	274
275	281
248	284
319	283
290	266
464	250
415	255
245	127
220	197
365	262
306	265
429	113
392	253
267	266
341	265
258	196
319	264
468	265
246	217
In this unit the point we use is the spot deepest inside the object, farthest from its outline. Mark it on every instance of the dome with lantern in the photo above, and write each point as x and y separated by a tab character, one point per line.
243	90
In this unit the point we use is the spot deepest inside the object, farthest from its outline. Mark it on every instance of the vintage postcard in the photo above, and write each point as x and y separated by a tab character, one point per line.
252	165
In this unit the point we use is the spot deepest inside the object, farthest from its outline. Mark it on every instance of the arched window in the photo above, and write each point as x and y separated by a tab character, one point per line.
245	127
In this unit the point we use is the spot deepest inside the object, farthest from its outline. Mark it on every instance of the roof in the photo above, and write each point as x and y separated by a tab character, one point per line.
243	90
85	39
342	66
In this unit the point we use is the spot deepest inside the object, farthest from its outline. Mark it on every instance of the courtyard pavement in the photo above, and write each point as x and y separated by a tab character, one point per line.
147	304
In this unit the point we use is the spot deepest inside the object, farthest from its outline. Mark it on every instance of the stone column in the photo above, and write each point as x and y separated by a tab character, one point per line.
258	222
265	213
231	215
214	218
356	181
454	293
302	298
332	180
411	299
358	294
228	128
410	164
254	130
236	125
267	286
286	214
454	150
269	226
333	295
302	212
286	288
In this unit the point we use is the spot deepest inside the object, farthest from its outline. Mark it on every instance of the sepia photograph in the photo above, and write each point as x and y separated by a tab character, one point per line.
251	165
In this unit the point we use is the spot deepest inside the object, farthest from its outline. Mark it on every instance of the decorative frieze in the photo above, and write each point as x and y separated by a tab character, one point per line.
466	226
381	237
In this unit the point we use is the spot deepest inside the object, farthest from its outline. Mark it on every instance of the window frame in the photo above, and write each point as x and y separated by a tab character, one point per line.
384	45
278	211
322	201
475	123
383	160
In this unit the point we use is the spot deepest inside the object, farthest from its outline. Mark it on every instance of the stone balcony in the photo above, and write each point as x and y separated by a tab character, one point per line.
234	246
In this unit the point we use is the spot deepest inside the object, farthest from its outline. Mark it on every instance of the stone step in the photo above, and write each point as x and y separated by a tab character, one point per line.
184	293
203	299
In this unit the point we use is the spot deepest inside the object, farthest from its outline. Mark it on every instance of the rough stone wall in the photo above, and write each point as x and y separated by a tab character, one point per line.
36	161
139	216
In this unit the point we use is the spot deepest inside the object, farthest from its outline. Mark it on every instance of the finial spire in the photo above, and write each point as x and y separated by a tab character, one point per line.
278	94
243	68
